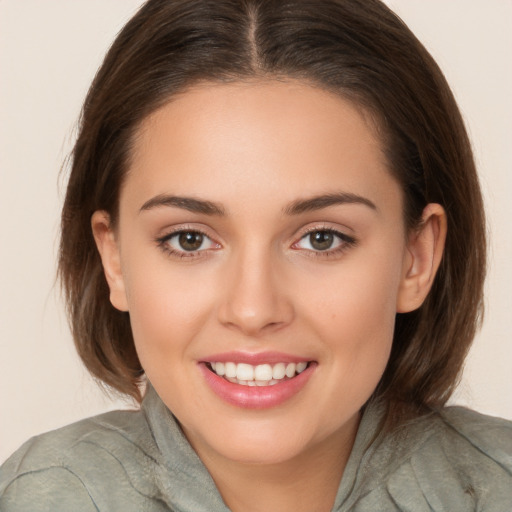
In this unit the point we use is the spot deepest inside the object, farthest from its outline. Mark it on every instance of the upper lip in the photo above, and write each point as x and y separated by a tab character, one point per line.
254	358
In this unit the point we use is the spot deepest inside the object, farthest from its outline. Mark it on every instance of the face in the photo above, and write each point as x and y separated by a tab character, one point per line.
262	257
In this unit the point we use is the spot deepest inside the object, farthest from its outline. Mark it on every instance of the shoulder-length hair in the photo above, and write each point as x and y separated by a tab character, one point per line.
357	49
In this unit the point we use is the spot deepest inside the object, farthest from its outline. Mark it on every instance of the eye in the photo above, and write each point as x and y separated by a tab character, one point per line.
186	242
324	240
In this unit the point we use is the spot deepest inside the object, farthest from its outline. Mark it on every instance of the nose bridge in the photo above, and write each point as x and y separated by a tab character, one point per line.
255	298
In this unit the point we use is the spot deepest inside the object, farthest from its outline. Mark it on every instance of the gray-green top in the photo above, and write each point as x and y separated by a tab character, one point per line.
140	461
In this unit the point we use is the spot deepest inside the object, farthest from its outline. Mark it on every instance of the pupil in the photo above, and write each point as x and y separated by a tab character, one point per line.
190	241
321	240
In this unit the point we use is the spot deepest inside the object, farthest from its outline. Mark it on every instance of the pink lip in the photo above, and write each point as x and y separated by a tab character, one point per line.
254	358
255	397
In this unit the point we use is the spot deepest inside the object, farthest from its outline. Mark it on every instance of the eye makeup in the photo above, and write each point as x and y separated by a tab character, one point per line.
319	241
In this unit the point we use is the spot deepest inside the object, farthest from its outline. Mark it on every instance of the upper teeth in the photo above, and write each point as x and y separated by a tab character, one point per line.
262	374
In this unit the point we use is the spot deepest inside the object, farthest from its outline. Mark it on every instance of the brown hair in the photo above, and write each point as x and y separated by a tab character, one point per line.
357	49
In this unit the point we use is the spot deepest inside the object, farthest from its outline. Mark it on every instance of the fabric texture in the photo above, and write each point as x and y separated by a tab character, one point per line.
455	460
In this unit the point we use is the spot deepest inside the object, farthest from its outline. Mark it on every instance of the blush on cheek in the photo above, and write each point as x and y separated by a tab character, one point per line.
367	367
165	319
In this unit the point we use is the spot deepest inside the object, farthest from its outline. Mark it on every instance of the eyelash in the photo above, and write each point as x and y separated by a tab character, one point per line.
163	243
346	242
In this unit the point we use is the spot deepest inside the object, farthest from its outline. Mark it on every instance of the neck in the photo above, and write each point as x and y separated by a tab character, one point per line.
307	482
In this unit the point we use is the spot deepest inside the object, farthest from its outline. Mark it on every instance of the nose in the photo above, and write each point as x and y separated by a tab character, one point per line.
256	299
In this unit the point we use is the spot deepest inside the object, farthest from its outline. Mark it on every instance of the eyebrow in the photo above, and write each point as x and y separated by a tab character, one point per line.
294	208
326	200
186	203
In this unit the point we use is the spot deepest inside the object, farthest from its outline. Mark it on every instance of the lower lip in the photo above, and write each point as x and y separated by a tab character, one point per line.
256	397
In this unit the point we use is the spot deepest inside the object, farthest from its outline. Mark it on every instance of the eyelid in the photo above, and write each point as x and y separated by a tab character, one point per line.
162	241
337	229
346	241
170	230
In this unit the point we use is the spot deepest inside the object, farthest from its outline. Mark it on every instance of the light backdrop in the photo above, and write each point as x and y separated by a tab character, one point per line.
49	52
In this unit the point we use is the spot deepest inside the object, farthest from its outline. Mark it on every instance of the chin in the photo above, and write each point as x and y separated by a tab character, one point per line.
251	453
260	442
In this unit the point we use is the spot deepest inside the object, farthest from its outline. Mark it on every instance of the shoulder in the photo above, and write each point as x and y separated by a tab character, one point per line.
481	435
477	446
53	488
72	467
453	459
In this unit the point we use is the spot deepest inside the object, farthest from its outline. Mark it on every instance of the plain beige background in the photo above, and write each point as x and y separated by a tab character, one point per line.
49	52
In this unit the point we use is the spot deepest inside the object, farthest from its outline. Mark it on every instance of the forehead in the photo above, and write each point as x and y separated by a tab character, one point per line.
229	139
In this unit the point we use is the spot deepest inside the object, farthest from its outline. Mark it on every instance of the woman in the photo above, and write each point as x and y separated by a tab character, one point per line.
273	219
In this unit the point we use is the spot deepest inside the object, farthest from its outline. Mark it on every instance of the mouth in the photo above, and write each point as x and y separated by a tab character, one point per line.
260	375
269	382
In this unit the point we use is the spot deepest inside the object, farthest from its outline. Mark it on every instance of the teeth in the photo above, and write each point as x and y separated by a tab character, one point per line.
230	369
244	371
279	370
290	369
220	369
260	375
263	372
300	367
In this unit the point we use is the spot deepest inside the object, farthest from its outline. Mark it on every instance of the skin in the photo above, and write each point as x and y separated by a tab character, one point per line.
257	284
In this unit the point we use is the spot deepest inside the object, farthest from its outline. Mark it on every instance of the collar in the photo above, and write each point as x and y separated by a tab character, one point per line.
183	479
187	486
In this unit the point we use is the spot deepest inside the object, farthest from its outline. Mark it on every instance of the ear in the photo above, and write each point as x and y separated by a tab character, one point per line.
423	256
108	248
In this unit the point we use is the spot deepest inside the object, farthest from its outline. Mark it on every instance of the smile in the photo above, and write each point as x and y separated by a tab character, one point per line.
256	382
257	375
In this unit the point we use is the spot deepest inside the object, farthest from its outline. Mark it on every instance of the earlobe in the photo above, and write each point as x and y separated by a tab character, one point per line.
110	257
424	254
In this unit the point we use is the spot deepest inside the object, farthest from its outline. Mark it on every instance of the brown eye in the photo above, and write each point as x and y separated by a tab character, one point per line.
190	240
321	240
187	243
328	241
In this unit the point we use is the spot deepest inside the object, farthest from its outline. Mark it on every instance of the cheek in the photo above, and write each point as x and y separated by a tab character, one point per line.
358	295
357	331
359	326
354	316
167	308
